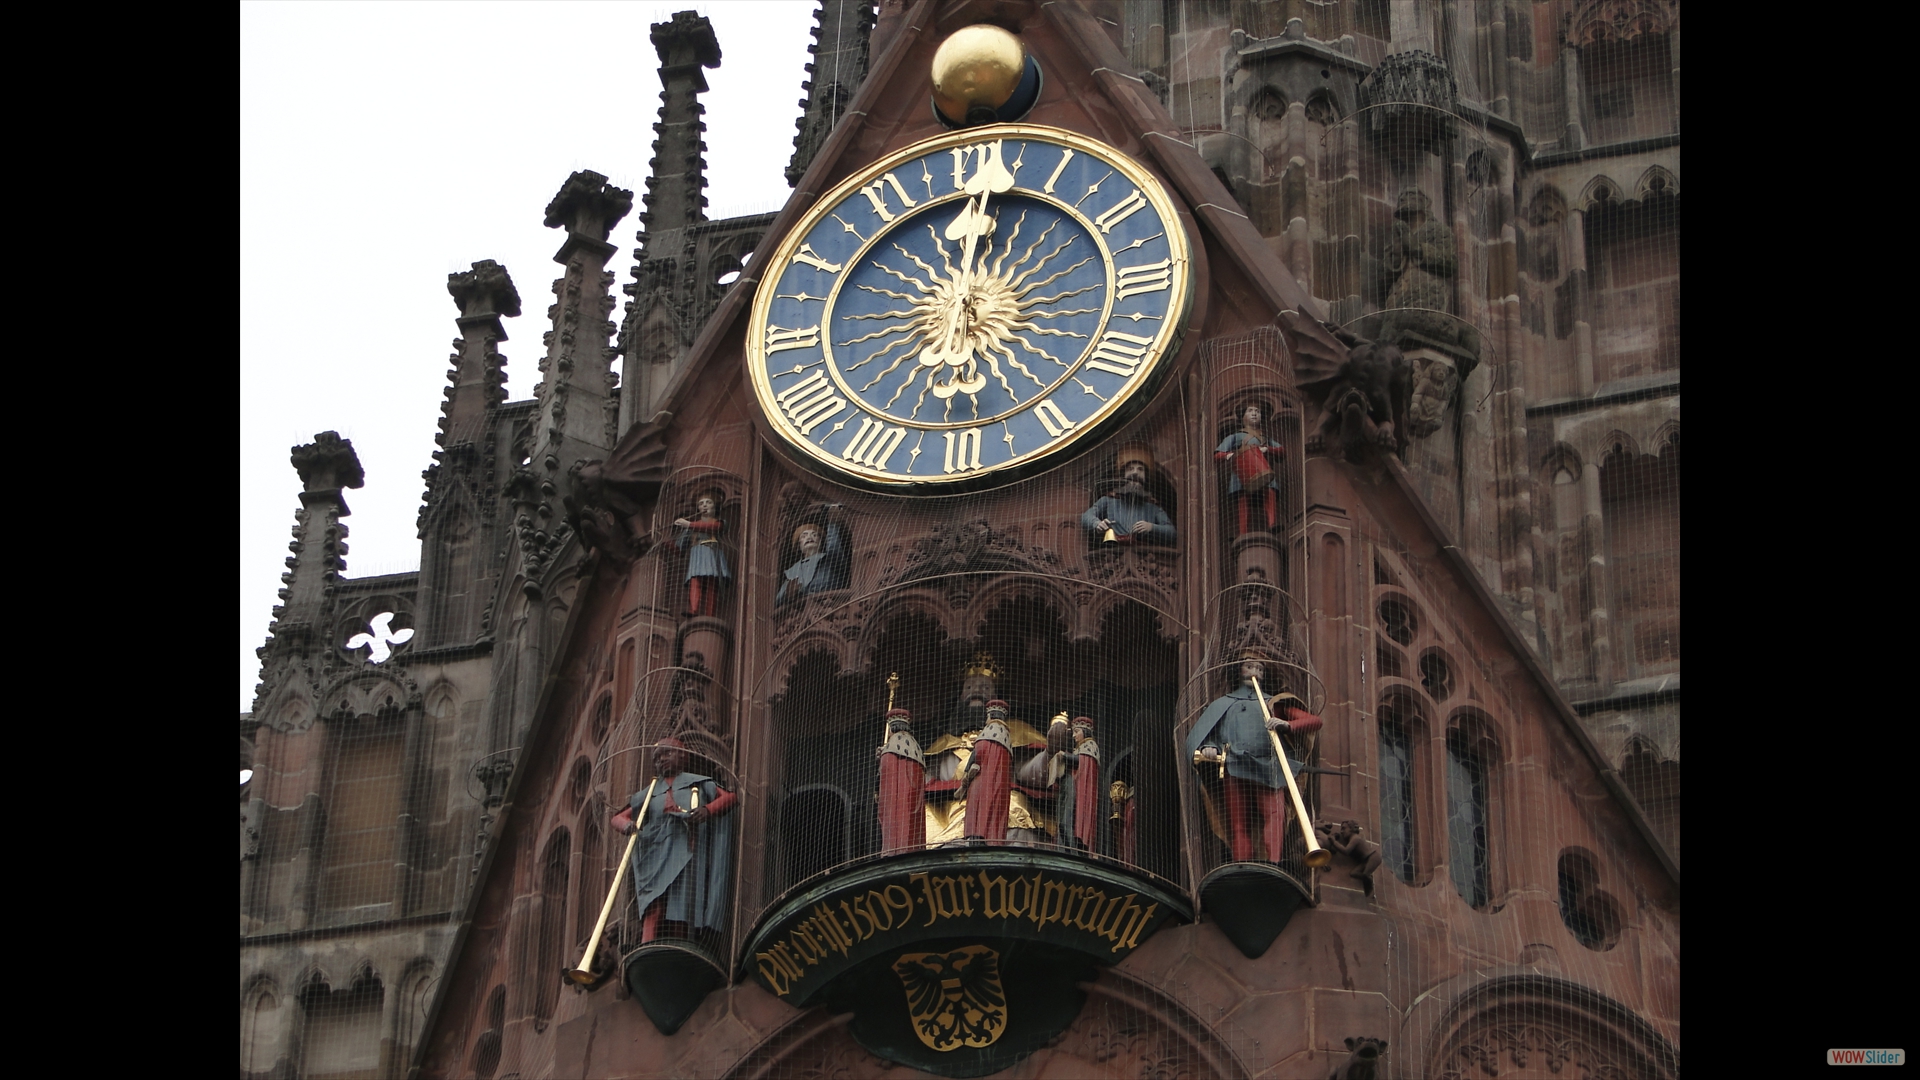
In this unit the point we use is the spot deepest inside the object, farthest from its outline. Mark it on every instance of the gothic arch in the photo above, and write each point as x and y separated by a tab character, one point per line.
1511	1022
1126	1028
292	708
369	693
1106	600
1054	594
1617	444
1561	457
411	1003
1657	182
1600	190
1546	206
263	1030
1667	437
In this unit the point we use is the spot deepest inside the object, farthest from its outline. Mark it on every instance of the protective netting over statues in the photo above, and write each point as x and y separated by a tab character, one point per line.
1318	712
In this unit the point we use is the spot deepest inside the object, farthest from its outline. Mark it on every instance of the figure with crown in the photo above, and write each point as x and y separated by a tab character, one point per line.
972	794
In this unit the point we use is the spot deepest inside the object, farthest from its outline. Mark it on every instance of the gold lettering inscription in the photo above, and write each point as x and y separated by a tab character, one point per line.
1052	419
963	453
874	443
825	932
810	403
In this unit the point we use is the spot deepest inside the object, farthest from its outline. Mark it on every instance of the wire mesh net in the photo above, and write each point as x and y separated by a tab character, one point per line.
833	678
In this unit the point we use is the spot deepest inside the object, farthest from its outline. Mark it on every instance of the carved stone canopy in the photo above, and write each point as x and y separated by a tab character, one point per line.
1600	22
587	205
484	290
686	40
1412	84
328	463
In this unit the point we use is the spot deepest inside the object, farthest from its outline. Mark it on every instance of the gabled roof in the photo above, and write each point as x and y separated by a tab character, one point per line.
889	112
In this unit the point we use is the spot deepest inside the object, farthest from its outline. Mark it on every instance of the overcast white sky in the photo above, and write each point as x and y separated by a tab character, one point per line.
384	146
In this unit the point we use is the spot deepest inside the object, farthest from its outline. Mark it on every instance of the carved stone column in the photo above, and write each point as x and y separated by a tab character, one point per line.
576	417
455	522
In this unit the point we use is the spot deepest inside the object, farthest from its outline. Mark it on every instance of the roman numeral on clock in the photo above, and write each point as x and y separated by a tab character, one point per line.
1145	278
1120	211
810	403
1119	353
806	337
874	443
876	194
963	450
812	258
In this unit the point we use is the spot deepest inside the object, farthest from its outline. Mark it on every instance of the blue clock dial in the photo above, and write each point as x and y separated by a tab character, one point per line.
979	302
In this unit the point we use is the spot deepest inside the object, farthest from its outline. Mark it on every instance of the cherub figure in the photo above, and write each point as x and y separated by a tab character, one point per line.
1344	838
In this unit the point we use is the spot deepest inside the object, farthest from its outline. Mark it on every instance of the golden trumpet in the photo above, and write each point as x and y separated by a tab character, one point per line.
1317	856
584	973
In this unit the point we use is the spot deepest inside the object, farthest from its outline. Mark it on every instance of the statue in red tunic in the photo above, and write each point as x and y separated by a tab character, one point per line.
1074	775
903	798
1250	458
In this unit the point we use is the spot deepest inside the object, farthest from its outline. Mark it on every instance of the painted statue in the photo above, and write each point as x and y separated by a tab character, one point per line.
707	568
1251	459
822	564
1074	776
1232	736
902	799
1129	514
683	861
970	770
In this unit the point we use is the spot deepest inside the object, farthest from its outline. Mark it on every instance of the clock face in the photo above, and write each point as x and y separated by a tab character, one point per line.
975	303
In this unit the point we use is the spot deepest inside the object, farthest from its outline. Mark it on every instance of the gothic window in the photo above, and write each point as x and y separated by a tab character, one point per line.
602	719
1397	619
342	1036
1470	761
1633	253
553	926
1436	675
1402	732
595	874
580	783
486	1048
263	1031
362	809
1640	503
1629	89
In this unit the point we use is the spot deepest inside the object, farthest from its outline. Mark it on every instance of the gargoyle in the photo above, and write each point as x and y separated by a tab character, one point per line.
1365	398
1363	1060
604	515
604	498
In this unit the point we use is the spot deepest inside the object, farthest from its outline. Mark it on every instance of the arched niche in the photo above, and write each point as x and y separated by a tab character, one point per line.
1125	1028
1518	1025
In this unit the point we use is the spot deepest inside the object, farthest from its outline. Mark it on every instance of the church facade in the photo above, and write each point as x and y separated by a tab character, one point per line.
1161	560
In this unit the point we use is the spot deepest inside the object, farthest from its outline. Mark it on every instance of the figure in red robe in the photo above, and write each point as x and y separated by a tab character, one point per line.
988	784
1075	778
903	797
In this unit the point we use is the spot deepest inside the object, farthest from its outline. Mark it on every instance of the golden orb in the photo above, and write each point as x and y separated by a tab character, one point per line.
977	67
